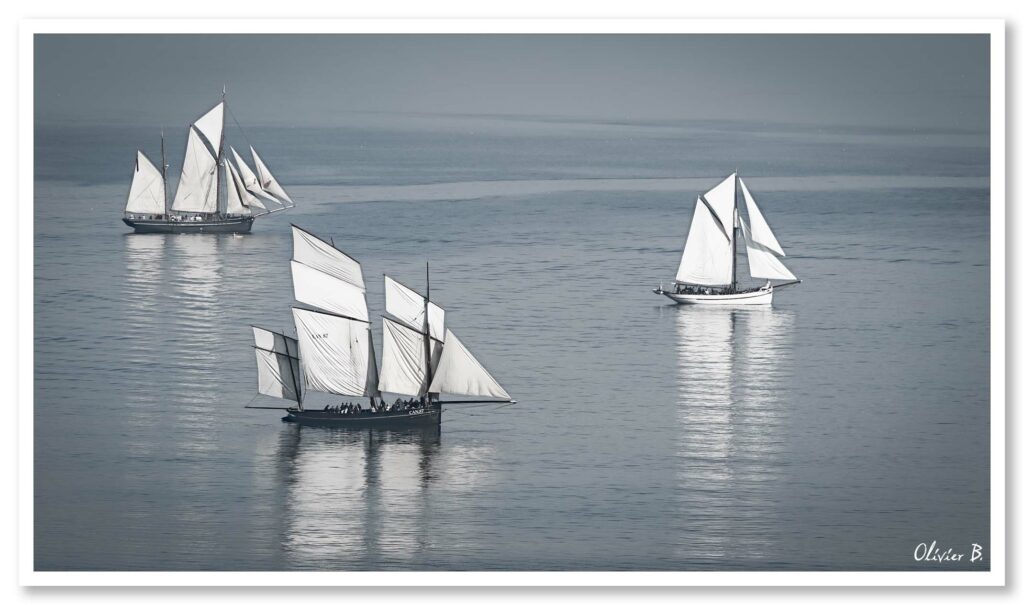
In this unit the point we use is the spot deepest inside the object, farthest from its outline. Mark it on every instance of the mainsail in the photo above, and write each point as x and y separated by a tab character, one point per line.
146	195
197	189
277	364
707	257
404	365
337	354
406	305
459	373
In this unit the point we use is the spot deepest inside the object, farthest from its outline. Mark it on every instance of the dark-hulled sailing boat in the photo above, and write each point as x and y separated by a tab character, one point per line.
199	205
334	352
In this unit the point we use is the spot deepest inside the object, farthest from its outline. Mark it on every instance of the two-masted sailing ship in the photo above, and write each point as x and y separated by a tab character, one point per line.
214	194
707	271
334	353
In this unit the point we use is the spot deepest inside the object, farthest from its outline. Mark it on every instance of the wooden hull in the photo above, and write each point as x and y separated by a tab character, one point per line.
221	225
760	296
381	420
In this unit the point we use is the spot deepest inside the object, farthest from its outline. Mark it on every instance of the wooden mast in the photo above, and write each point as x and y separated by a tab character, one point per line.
735	227
426	337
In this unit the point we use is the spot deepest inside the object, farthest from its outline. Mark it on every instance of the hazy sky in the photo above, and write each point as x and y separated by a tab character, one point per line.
930	81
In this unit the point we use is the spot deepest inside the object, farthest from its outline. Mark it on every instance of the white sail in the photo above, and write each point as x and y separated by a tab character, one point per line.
407	306
197	189
275	342
722	199
277	367
707	256
211	125
764	264
146	195
459	373
314	252
235	204
267	181
250	181
326	292
403	368
276	375
337	354
760	232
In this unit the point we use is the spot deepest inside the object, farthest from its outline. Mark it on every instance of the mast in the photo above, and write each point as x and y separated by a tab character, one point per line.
220	150
426	337
163	169
291	370
735	226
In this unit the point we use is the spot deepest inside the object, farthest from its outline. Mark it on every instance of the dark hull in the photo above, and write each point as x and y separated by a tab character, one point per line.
382	420
222	225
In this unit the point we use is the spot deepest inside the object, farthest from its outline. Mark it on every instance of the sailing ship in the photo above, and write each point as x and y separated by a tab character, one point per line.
333	352
214	194
707	271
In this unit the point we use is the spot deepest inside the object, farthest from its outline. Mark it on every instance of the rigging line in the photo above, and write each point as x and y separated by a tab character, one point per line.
240	129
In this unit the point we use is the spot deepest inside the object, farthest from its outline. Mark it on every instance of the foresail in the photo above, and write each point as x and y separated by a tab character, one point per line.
146	195
408	306
235	204
277	364
760	232
326	292
707	256
267	180
763	263
403	368
337	354
459	373
211	125
314	252
197	189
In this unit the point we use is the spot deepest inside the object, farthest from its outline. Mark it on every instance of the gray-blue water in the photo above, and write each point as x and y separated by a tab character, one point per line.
837	430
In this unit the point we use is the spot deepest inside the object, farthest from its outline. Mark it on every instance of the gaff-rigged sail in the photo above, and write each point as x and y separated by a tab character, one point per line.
336	354
409	307
277	364
403	368
459	373
146	195
197	189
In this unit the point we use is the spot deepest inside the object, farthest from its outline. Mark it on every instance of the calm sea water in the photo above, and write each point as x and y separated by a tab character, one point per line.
837	430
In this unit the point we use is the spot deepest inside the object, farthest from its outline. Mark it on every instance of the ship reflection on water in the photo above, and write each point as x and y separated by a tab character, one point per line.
731	365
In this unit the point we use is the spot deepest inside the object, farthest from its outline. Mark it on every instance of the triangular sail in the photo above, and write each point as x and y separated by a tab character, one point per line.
211	125
235	204
403	368
146	195
267	181
760	232
406	305
197	189
707	256
459	373
277	364
764	264
249	179
722	199
314	252
337	354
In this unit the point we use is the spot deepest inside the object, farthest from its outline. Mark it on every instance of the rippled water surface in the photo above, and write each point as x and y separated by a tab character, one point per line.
837	430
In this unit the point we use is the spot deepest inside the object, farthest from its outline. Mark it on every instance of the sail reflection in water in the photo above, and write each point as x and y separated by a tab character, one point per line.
732	362
356	499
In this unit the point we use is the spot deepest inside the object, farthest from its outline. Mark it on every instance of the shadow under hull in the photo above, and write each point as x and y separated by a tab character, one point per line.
380	420
222	225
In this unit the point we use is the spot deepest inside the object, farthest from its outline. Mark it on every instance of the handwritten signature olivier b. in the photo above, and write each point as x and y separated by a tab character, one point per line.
933	553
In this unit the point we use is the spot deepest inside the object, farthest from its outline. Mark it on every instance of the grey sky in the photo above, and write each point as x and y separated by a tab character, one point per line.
912	81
